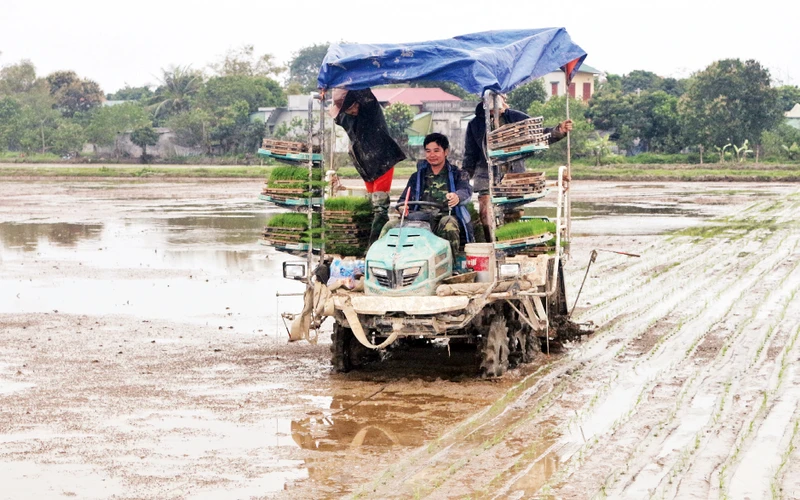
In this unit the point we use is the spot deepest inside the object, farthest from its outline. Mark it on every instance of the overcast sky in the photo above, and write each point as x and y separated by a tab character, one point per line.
118	43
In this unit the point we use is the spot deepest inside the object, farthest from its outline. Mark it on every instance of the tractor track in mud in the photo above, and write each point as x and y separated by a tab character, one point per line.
690	371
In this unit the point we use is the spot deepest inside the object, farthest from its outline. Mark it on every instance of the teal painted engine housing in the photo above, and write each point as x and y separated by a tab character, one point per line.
407	261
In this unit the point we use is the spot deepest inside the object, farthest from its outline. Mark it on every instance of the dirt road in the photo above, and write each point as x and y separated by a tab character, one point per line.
689	388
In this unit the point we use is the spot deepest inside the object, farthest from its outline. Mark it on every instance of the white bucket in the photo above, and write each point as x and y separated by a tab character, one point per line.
481	259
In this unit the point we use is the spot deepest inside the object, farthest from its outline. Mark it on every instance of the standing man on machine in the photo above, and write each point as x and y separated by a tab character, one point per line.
373	151
475	156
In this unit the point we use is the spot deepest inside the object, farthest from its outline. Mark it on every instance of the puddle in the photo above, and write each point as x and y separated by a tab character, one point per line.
389	419
625	219
218	273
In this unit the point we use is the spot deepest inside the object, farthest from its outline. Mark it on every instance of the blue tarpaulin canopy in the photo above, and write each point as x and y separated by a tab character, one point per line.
492	60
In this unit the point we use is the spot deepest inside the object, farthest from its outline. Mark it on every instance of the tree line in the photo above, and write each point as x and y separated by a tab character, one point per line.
210	109
729	110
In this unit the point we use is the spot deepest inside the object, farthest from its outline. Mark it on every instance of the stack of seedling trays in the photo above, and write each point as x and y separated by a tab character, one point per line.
289	187
290	233
283	148
518	188
527	237
293	153
513	137
347	222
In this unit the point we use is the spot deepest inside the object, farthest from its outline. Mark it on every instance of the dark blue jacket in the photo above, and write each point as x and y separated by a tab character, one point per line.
474	157
459	184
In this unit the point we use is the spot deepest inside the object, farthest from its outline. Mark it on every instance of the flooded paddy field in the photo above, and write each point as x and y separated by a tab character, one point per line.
142	356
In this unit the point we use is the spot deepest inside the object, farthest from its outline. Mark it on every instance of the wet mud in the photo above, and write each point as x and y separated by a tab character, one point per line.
142	356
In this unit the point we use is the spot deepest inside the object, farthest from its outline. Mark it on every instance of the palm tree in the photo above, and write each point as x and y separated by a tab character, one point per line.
178	86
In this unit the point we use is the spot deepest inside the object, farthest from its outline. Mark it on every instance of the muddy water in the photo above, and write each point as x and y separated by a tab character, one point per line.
142	356
145	256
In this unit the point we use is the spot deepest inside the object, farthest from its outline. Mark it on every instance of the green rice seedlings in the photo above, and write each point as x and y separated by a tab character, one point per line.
524	229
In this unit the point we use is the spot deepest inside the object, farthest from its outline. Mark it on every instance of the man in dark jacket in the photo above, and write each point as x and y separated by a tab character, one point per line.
475	159
373	151
438	181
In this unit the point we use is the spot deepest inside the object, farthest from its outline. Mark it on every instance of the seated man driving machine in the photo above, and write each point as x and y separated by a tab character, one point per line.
445	188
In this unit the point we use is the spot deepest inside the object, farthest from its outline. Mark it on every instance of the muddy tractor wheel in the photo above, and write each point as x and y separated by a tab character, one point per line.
494	351
347	353
523	344
341	340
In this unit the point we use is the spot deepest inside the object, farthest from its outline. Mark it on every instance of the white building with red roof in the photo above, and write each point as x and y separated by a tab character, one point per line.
415	97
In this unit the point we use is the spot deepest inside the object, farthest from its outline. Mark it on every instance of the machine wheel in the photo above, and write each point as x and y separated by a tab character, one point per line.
347	353
341	340
523	345
494	351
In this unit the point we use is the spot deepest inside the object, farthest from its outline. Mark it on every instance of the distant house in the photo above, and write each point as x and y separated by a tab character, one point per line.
413	96
446	117
275	116
581	87
793	116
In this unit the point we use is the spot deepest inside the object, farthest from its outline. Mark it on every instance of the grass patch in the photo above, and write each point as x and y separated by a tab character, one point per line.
524	229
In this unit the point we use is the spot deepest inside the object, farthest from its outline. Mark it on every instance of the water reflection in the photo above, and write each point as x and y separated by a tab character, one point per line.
27	236
199	262
385	420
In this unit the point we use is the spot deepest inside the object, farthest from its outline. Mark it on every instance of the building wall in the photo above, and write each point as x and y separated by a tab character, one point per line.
450	118
556	78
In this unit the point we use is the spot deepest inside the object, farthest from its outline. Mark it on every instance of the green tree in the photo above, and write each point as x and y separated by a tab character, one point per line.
553	113
673	86
244	62
17	78
192	128
177	88
129	93
68	138
788	96
775	139
523	96
143	137
612	83
107	123
10	123
233	131
73	94
660	125
639	80
304	66
256	91
399	116
39	118
600	146
728	102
